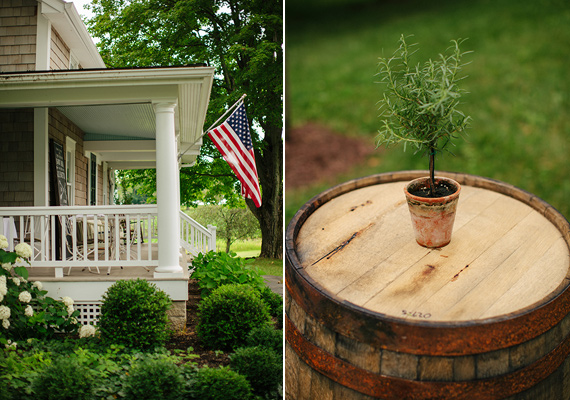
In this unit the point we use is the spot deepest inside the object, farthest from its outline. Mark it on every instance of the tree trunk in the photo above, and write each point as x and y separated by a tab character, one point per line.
228	244
432	172
270	214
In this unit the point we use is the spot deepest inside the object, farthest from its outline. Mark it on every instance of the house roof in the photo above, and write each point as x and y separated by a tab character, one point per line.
114	107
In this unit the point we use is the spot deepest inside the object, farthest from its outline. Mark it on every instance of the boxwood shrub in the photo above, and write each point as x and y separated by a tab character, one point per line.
219	383
64	379
226	317
153	377
266	336
262	367
133	314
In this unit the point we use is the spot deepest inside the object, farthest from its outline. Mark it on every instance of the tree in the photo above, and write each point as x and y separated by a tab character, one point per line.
243	40
232	223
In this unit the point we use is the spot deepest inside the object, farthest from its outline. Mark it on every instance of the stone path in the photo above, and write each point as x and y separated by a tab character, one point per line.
275	283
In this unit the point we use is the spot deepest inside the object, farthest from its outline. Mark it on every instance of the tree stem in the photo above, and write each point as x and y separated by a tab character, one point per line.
432	172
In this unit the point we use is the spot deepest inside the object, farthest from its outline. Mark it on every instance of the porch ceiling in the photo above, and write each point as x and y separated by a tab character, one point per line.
114	108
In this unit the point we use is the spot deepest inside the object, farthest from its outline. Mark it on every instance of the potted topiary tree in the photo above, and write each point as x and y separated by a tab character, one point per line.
420	108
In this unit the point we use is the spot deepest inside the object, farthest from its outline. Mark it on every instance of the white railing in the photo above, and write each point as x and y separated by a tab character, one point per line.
194	238
84	236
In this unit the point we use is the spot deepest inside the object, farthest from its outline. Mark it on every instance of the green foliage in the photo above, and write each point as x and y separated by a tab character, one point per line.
112	366
154	378
266	336
26	310
231	223
273	300
262	367
228	315
420	104
219	383
213	270
243	40
133	313
64	379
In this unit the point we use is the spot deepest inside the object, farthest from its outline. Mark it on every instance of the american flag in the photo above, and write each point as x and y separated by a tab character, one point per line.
233	140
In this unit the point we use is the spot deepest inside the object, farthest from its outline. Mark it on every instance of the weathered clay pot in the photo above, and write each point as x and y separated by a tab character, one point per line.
432	218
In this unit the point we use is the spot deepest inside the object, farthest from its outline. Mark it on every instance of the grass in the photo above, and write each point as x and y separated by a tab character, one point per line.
250	249
518	84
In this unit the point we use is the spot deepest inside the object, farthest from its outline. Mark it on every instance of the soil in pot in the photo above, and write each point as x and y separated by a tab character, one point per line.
442	189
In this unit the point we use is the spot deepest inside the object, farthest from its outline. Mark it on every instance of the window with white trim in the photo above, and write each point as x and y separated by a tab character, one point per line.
70	169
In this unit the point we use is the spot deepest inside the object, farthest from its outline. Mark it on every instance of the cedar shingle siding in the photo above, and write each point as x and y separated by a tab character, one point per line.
16	157
18	35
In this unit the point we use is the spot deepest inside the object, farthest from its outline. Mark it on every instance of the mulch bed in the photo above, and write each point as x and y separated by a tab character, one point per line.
314	153
188	338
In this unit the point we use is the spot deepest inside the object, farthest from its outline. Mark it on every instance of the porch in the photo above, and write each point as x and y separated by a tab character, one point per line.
81	251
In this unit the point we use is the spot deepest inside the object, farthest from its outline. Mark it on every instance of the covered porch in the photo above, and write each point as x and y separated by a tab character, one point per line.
128	119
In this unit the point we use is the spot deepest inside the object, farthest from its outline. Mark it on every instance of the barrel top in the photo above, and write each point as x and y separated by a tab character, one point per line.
504	256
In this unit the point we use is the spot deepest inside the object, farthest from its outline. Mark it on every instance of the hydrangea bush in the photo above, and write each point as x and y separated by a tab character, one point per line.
25	310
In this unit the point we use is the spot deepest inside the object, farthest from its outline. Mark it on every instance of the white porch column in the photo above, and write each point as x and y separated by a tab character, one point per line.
167	193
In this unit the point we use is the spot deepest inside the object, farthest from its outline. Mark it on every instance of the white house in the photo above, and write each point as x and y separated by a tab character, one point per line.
66	124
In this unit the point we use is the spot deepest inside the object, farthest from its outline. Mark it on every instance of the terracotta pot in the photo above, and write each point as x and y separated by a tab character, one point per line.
432	218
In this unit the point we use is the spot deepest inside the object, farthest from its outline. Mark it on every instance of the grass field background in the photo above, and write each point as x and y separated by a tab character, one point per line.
518	83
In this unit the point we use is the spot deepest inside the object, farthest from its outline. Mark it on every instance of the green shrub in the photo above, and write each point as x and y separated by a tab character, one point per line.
226	317
219	383
266	336
273	300
64	379
154	378
262	367
133	313
213	270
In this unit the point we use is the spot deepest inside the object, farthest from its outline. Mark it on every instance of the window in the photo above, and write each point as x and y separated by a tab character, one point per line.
93	180
70	169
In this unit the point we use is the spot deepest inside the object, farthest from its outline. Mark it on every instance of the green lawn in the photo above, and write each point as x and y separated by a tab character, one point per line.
518	83
251	249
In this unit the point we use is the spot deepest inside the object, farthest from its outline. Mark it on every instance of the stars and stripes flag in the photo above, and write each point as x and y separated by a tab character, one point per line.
233	140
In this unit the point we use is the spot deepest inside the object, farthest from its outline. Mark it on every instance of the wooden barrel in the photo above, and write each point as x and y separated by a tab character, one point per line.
371	314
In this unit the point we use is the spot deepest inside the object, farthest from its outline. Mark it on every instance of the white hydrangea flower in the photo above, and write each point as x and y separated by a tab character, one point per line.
7	266
16	281
11	345
25	297
68	301
86	331
1	297
29	311
5	312
70	309
73	320
23	250
3	287
5	323
3	242
38	284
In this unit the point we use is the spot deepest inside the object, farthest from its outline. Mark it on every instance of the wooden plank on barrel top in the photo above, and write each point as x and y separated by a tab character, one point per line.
416	285
383	271
489	276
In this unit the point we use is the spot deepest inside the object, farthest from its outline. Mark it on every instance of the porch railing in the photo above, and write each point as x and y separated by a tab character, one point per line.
96	236
195	238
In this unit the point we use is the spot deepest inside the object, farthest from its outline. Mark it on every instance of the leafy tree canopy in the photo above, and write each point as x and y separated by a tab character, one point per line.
243	40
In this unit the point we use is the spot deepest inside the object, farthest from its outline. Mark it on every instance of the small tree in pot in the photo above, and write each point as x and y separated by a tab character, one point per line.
420	108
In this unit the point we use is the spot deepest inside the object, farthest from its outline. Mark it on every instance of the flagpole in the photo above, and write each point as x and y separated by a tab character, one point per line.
214	124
